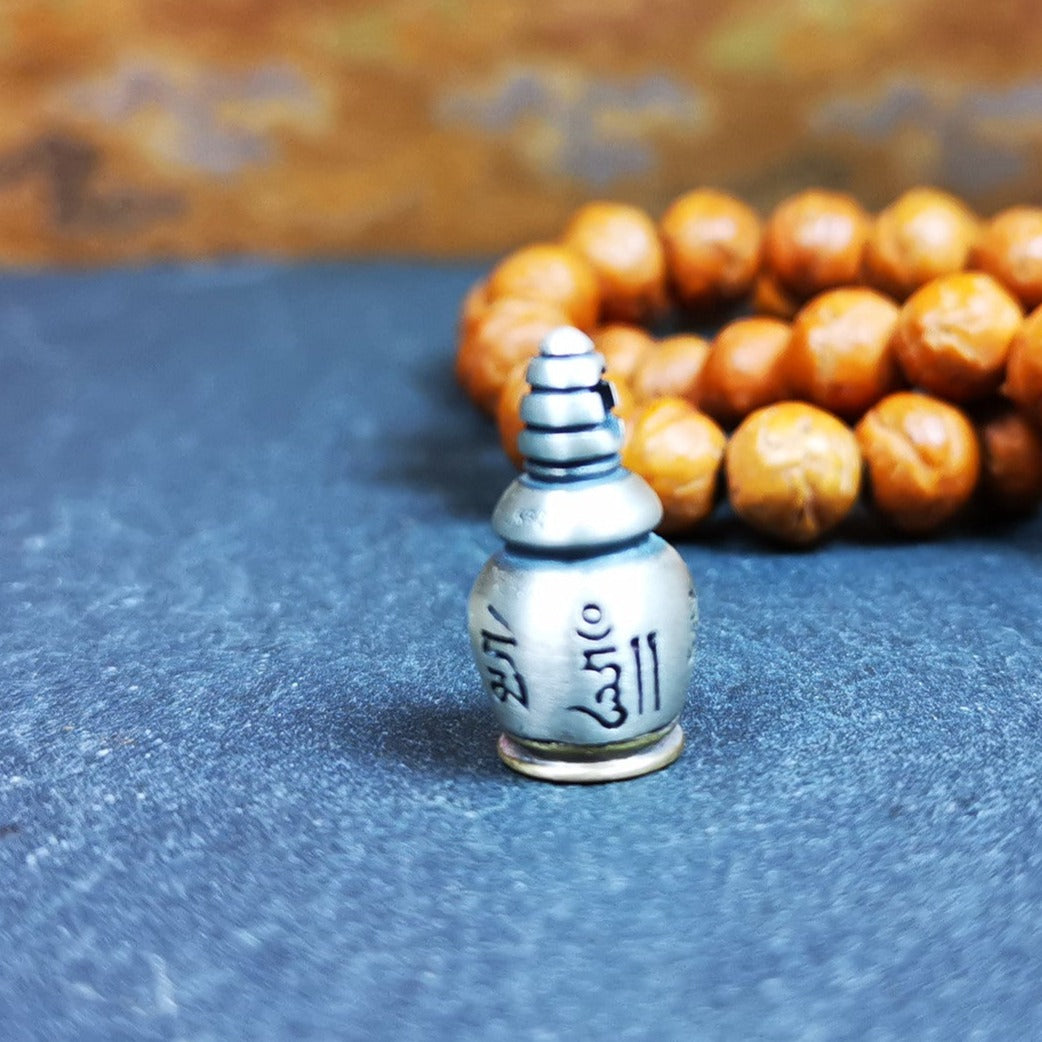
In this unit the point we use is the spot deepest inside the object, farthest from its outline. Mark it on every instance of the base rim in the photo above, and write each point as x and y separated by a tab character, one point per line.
629	764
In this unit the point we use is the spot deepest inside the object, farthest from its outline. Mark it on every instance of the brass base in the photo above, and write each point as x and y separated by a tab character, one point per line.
587	764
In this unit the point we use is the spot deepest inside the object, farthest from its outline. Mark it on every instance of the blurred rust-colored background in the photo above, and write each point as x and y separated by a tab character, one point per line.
143	128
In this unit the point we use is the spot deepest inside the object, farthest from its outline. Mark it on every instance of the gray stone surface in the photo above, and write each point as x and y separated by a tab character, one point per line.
247	781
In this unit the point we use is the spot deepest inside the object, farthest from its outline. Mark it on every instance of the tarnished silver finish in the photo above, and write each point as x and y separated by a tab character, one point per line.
583	624
550	518
564	372
562	410
565	446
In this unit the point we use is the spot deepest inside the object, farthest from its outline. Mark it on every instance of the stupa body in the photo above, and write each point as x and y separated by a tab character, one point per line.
583	625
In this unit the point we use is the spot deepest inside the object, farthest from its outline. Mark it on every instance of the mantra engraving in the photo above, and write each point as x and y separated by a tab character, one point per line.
601	656
504	678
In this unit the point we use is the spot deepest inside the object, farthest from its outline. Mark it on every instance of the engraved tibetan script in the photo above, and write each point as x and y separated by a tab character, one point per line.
600	655
652	641
504	678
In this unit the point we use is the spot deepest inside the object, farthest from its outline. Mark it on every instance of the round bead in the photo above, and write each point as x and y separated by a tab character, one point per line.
922	235
672	367
814	241
622	246
923	460
473	307
508	412
840	355
745	369
712	243
508	331
1010	249
793	471
953	335
1024	367
552	274
678	451
622	347
1011	457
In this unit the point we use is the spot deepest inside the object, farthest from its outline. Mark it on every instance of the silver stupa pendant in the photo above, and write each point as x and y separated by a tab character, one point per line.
583	624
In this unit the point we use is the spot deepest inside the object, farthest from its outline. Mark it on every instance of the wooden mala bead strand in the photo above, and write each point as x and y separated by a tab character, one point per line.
671	368
678	451
507	332
623	347
1023	384
793	472
922	235
840	355
621	244
745	369
923	460
653	369
954	334
475	301
552	274
813	241
1010	250
712	243
1011	461
793	467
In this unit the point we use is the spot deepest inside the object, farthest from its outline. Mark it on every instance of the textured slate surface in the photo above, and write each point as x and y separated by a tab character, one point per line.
247	784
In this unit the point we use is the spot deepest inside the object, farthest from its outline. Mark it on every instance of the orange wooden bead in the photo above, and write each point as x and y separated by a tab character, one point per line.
1011	457
745	369
953	335
508	331
923	459
621	244
473	307
712	243
922	235
1010	249
552	274
840	355
678	451
814	241
672	368
1024	367
625	401
623	347
793	472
